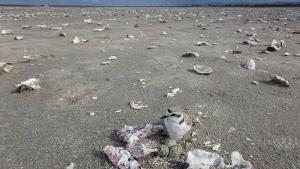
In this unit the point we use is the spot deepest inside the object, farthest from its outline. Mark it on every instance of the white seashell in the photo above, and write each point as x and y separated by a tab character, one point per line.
70	166
77	40
174	92
202	43
249	65
6	67
88	21
112	58
6	32
30	84
137	105
19	37
238	161
200	159
203	69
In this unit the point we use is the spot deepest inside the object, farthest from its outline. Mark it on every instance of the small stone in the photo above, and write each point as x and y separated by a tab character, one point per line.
105	63
163	150
175	151
254	82
286	54
92	113
94	97
6	32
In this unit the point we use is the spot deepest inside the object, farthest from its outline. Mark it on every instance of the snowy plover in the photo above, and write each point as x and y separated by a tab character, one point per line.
177	123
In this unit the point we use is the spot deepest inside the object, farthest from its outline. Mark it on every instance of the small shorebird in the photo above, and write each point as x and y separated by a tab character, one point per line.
177	123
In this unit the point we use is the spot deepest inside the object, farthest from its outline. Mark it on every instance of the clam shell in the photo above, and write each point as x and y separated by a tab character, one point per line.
203	69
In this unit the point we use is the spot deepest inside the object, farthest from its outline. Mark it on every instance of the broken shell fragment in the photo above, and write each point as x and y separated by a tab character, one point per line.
174	92
19	38
137	105
238	161
78	40
191	54
55	28
88	21
249	65
202	43
203	69
6	32
70	166
164	33
280	80
275	45
30	84
200	159
121	158
62	34
112	58
36	57
5	67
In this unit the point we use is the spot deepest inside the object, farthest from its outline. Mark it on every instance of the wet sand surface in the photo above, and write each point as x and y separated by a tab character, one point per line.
53	126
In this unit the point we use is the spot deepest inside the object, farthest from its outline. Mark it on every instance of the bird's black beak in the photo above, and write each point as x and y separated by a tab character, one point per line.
165	116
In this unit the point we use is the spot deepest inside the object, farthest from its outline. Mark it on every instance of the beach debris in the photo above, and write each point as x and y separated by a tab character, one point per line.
200	159
19	38
65	24
203	69
254	82
137	105
238	162
163	150
191	54
280	80
132	134
6	32
202	43
106	27
139	150
55	28
118	111
26	26
30	84
88	21
62	34
164	33
105	63
37	56
286	54
251	39
5	67
249	65
216	147
276	46
78	40
70	166
174	92
128	37
121	158
236	52
112	58
231	129
162	20
42	26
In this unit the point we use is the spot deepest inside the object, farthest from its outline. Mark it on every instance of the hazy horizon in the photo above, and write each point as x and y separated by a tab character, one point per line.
144	2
